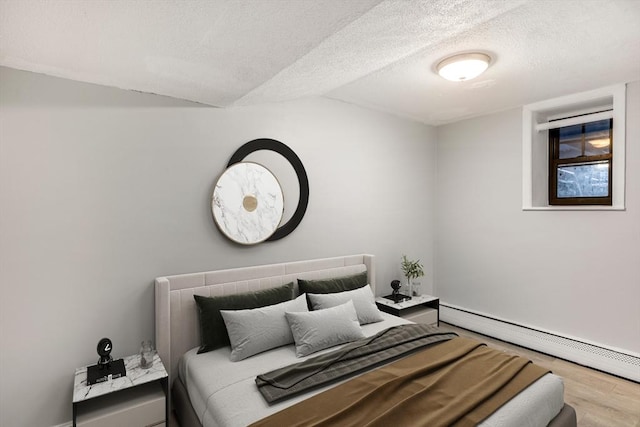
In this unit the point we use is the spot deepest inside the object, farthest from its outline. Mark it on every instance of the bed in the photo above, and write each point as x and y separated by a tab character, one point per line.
211	391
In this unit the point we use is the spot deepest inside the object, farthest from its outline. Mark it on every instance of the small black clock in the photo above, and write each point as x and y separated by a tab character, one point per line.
104	351
396	296
106	369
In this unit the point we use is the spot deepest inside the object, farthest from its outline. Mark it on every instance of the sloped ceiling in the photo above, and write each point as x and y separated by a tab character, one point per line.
379	54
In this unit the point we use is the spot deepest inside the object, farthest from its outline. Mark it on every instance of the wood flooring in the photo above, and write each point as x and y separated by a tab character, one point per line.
600	399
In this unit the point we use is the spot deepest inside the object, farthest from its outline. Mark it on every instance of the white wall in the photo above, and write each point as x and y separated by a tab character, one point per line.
575	273
102	190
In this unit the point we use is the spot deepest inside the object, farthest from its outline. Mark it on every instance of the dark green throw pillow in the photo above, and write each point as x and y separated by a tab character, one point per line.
330	286
213	332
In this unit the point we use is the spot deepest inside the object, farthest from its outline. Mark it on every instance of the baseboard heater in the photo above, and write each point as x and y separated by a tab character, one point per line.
598	357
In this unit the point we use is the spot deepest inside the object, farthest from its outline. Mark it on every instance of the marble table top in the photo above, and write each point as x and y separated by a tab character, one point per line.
135	376
416	300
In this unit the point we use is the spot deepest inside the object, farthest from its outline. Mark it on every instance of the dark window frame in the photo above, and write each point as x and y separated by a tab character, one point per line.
555	162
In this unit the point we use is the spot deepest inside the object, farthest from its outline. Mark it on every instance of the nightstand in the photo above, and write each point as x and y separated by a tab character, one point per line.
419	309
137	399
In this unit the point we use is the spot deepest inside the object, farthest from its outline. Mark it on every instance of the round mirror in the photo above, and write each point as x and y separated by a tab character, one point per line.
247	203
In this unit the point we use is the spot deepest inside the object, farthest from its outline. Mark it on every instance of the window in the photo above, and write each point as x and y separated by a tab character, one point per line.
580	164
573	151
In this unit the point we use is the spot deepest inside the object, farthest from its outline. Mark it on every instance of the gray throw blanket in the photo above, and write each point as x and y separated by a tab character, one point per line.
356	357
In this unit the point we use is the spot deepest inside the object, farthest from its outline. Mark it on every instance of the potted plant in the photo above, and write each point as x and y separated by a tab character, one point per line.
411	270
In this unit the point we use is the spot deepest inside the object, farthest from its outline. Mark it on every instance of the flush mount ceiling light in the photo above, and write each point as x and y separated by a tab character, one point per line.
464	66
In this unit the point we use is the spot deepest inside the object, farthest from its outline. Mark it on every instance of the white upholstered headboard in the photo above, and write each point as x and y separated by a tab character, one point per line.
177	328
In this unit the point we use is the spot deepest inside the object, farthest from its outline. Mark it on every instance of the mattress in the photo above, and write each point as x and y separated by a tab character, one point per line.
224	393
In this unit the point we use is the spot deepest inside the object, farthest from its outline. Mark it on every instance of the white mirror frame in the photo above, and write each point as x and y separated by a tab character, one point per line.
247	203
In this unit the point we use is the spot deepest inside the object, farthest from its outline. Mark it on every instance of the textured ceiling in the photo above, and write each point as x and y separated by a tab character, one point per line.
375	53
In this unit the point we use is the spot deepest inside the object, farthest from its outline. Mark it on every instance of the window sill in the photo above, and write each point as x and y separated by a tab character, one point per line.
573	208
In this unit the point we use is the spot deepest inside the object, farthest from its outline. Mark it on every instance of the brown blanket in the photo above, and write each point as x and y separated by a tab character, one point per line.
455	383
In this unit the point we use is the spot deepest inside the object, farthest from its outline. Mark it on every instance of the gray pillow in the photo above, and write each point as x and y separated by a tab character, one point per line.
213	333
363	301
260	329
316	330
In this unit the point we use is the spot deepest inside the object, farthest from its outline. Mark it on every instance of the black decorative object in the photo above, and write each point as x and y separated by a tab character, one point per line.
104	351
395	285
106	369
396	296
296	163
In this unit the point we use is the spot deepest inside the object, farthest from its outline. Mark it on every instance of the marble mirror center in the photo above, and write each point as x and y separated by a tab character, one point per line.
247	203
